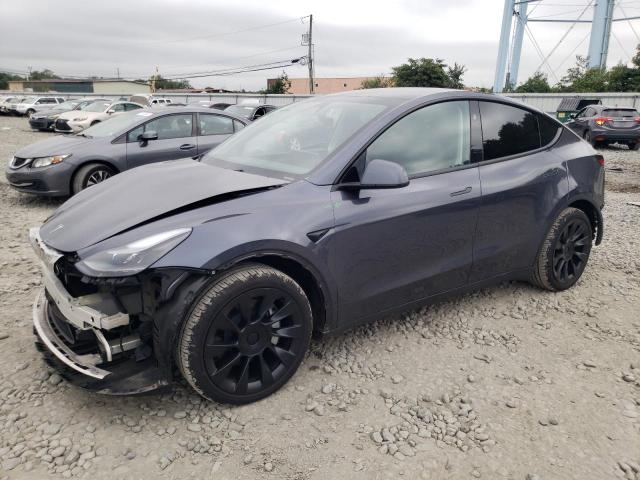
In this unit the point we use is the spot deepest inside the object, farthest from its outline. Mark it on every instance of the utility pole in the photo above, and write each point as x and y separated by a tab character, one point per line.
118	72
153	80
310	55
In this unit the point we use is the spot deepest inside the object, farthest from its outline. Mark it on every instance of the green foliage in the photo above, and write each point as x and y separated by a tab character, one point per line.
281	85
428	72
45	74
376	82
581	78
536	83
167	84
5	78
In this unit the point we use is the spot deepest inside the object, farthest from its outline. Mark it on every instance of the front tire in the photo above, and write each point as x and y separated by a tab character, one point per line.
245	336
633	145
565	251
90	175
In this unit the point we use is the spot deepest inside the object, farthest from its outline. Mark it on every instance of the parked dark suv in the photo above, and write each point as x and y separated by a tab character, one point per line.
325	214
601	126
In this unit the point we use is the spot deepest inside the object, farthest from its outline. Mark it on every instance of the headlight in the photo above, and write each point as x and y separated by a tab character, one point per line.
134	257
80	119
46	161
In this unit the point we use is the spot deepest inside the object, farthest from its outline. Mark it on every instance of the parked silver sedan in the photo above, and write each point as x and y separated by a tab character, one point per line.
65	164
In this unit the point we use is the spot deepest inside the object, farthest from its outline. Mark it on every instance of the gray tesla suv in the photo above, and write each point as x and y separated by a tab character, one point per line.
64	165
323	215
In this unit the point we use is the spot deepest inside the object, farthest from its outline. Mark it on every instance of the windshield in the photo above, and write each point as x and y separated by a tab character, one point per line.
293	140
243	111
621	112
115	124
96	107
68	105
28	100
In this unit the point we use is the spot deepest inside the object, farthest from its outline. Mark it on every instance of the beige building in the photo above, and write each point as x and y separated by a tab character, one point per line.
324	85
115	86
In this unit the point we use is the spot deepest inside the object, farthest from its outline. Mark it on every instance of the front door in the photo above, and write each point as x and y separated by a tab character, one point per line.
392	247
176	140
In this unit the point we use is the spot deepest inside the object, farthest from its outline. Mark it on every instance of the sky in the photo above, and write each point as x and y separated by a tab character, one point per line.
351	37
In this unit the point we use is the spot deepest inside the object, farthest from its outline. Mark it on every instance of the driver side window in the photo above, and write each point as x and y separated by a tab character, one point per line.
433	138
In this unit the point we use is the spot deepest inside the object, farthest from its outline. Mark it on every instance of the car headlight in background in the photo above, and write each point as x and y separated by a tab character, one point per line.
133	257
80	119
46	161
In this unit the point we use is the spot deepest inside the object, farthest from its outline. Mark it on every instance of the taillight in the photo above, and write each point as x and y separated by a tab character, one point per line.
602	120
600	159
637	119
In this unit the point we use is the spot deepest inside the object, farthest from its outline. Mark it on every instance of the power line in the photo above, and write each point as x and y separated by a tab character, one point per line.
629	21
234	32
571	27
574	50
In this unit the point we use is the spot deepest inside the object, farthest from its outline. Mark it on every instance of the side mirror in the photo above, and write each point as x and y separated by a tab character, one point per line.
573	115
380	174
110	111
149	135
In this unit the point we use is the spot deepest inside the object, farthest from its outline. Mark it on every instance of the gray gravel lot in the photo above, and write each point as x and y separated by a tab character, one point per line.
508	382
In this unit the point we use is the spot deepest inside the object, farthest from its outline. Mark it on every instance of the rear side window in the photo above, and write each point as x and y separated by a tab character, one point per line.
215	125
507	130
548	129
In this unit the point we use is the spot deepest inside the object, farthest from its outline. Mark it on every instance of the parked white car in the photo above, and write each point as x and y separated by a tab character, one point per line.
31	105
77	120
6	102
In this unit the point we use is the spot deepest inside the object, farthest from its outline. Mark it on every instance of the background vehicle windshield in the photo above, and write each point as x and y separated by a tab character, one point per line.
96	107
293	140
242	110
116	124
68	105
28	100
621	112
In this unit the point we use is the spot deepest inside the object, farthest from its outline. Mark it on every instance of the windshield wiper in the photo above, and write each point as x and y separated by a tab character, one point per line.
84	135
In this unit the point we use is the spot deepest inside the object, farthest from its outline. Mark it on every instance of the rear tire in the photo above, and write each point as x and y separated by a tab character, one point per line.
231	350
565	251
89	175
590	140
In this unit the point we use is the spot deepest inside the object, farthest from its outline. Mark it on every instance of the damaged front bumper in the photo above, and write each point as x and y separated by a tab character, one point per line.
87	339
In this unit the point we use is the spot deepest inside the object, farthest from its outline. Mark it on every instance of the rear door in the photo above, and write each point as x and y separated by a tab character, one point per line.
522	184
176	140
212	131
395	246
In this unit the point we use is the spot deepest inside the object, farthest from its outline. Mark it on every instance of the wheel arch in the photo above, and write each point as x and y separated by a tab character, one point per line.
304	274
593	214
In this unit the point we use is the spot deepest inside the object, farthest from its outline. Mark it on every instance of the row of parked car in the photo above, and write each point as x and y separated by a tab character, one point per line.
113	136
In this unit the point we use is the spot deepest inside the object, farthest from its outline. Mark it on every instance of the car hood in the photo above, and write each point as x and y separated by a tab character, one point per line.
70	115
58	145
142	195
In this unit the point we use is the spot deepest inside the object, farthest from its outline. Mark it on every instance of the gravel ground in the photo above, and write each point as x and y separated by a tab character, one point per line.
507	382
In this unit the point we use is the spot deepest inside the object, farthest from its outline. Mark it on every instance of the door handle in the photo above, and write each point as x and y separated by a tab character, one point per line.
461	192
187	146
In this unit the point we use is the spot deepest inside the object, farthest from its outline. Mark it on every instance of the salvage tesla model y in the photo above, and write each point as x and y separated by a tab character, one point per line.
325	214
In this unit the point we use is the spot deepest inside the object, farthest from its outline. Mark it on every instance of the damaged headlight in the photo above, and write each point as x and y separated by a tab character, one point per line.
133	257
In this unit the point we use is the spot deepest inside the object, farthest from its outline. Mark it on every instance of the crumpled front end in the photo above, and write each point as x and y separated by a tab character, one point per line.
96	334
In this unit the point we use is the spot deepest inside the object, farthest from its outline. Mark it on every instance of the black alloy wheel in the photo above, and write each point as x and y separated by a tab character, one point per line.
253	341
571	251
246	336
565	251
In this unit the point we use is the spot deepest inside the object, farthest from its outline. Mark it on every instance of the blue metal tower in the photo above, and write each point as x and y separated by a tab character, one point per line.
510	47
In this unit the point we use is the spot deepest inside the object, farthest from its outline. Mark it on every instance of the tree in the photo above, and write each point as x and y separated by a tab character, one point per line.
455	74
536	83
5	78
423	72
623	79
167	84
45	74
376	82
280	85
